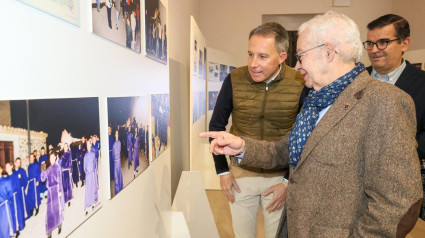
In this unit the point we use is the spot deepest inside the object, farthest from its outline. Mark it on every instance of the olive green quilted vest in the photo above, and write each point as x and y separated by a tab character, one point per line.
261	111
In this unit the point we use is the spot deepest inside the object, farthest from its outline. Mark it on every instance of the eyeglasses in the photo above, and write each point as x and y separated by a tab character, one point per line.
298	56
381	44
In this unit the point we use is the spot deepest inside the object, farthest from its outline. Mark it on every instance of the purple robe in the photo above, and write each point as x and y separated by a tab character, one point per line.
130	147
33	198
111	158
55	201
96	153
116	151
90	168
66	168
136	153
42	186
6	221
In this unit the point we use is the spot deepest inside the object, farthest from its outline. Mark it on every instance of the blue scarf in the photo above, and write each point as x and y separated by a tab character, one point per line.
313	104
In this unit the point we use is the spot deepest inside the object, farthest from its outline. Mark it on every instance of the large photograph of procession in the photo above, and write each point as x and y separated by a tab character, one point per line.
118	21
49	165
128	132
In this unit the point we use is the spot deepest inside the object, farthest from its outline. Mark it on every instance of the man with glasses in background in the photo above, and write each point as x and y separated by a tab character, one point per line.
354	169
387	40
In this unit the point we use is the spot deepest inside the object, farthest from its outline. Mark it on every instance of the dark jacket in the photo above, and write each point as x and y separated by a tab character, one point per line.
412	81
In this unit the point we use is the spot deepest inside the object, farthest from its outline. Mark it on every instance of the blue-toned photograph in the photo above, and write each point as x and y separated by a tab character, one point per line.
156	31
50	165
128	140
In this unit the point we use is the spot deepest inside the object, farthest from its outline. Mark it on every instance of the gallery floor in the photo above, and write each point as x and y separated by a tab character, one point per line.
223	219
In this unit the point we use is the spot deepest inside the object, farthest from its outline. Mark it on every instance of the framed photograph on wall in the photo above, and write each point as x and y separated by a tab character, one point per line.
118	21
128	131
224	71
212	99
156	31
56	174
213	72
160	123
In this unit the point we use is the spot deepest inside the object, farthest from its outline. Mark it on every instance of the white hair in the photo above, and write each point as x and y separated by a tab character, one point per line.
338	29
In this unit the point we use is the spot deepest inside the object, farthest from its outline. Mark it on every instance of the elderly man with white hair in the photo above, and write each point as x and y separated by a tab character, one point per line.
354	169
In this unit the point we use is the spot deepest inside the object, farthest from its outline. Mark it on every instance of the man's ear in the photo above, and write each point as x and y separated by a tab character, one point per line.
330	51
405	44
282	57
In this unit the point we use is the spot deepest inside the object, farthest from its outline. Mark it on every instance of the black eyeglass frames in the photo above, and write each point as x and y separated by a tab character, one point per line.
381	44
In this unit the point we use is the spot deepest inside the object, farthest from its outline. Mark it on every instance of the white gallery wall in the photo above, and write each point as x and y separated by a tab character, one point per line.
179	42
229	32
45	57
413	11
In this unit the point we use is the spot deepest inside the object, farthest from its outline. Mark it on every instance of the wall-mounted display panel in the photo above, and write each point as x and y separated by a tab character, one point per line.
198	100
57	187
221	63
198	73
128	140
118	21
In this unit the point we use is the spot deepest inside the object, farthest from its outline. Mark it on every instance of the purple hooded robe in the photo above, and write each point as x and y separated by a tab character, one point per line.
116	151
90	168
55	201
66	168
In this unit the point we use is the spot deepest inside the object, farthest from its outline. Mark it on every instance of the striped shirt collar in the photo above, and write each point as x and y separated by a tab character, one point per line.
392	76
272	78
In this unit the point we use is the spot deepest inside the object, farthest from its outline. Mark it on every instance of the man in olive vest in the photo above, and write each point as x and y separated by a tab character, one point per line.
263	99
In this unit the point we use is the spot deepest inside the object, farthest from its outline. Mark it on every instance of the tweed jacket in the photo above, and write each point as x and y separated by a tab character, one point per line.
358	175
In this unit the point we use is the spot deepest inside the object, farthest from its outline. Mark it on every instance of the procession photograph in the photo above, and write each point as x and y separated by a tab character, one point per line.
160	109
224	71
118	21
212	99
128	132
156	31
49	165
